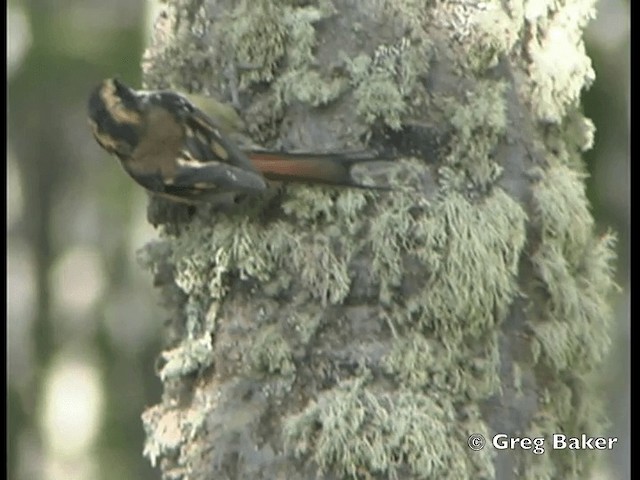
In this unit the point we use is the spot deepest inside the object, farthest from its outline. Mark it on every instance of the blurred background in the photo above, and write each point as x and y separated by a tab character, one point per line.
84	322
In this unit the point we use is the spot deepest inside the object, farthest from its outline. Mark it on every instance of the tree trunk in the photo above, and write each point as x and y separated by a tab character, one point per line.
342	333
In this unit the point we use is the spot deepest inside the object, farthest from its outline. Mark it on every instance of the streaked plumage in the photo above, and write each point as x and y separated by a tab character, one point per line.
173	149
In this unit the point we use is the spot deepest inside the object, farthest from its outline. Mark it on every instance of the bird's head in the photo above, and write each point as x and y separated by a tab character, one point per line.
115	116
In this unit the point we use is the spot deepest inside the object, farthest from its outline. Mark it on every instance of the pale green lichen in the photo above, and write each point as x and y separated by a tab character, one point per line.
575	271
305	323
575	330
177	57
580	131
350	204
473	283
321	270
390	234
562	208
205	255
571	410
538	9
191	355
302	34
385	84
566	142
470	253
479	122
430	366
271	353
356	431
300	82
559	68
483	110
494	32
308	87
312	205
167	428
257	37
418	362
163	433
379	96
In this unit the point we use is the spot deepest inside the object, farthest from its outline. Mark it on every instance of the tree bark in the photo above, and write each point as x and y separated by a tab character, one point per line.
340	333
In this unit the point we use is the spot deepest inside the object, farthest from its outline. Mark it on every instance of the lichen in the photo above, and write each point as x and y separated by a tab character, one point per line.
429	365
301	82
271	352
385	84
312	205
479	122
257	37
559	68
390	235
167	428
494	34
575	271
357	431
472	281
175	54
190	356
571	409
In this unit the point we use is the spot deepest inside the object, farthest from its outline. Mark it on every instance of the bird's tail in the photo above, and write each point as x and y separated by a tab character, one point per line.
325	168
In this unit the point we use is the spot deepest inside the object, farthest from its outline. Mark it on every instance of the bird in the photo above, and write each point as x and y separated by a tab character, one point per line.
175	150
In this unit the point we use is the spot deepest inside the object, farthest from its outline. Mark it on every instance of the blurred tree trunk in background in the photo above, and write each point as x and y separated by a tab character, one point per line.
326	333
608	189
59	209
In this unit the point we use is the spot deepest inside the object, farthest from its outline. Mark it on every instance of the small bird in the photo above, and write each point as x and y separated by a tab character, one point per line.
173	149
